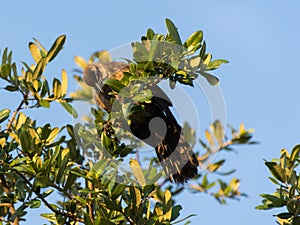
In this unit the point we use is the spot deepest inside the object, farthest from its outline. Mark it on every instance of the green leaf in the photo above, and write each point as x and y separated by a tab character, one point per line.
80	62
114	84
35	203
64	83
285	215
52	135
67	106
4	114
25	141
5	71
277	171
39	69
193	43
179	221
212	80
167	206
4	56
276	201
215	64
137	171
135	193
35	52
43	51
56	47
62	168
173	32
57	89
176	212
44	103
11	88
295	153
218	131
118	190
150	34
215	166
70	181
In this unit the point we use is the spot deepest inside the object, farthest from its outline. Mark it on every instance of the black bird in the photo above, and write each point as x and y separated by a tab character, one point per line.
154	124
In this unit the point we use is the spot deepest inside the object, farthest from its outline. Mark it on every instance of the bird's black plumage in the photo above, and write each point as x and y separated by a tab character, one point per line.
154	124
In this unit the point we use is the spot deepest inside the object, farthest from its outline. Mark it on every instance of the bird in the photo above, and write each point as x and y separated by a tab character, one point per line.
154	124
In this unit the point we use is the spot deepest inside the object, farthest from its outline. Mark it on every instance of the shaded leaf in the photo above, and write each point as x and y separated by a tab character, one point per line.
277	171
212	80
115	84
173	32
67	106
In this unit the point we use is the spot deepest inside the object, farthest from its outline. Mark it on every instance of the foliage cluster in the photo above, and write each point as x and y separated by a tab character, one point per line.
62	167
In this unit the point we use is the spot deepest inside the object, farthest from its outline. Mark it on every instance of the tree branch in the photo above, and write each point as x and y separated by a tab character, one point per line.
66	214
8	128
9	205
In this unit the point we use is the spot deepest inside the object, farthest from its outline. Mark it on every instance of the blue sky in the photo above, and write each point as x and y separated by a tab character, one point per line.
260	84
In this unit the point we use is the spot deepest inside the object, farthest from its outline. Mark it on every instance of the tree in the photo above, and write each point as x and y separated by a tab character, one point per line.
286	178
78	164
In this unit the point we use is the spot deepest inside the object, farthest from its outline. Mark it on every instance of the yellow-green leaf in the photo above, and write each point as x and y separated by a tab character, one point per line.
207	59
136	195
277	171
41	47
56	47
44	103
57	89
67	106
4	114
80	62
35	52
167	206
64	82
54	132
137	171
173	31
39	69
193	43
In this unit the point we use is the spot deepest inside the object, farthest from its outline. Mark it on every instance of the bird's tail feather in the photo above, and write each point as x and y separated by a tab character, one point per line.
178	161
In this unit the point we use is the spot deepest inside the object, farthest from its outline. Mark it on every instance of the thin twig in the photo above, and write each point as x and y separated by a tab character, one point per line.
8	128
7	191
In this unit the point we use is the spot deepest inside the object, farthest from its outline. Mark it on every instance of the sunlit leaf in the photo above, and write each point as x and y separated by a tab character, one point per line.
80	62
215	64
4	114
137	171
167	205
35	52
64	83
57	89
44	103
56	47
193	43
